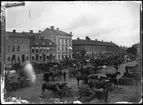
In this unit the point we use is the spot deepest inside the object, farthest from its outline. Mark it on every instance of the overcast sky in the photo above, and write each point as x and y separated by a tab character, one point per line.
118	22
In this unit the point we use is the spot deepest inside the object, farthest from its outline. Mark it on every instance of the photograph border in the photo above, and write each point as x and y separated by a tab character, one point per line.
3	43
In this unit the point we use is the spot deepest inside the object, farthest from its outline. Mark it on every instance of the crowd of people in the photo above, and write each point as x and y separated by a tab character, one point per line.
72	65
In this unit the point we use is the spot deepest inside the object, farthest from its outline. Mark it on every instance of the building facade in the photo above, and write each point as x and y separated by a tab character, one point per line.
43	51
93	48
17	48
62	40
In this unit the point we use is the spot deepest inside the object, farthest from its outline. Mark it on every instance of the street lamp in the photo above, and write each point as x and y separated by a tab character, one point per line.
4	37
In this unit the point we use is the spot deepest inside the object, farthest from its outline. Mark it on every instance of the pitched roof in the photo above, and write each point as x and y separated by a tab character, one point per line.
16	35
42	43
55	32
92	42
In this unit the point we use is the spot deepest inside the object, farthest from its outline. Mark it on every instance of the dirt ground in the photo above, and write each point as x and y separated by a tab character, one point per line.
123	93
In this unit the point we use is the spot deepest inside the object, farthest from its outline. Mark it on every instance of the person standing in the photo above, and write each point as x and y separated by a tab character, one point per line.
116	68
46	77
64	75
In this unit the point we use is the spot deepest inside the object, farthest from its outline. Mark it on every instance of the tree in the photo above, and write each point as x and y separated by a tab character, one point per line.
132	50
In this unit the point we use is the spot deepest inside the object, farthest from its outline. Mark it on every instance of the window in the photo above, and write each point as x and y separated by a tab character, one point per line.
51	49
62	41
66	41
8	59
8	48
13	49
36	57
18	48
44	49
33	58
40	57
33	50
59	41
27	57
37	50
47	57
40	50
47	50
62	49
62	57
58	48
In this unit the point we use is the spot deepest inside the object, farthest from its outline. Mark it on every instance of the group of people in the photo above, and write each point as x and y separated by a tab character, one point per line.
114	61
48	74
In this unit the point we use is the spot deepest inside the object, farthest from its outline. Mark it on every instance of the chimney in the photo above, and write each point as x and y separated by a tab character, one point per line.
31	31
39	31
102	40
78	38
14	31
57	28
87	38
71	33
110	41
52	27
95	39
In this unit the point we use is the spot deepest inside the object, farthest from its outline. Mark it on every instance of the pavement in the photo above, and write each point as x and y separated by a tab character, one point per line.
32	93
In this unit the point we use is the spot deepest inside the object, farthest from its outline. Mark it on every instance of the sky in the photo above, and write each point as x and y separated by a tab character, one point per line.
118	22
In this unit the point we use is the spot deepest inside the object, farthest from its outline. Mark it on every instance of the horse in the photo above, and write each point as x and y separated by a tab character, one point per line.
54	87
113	78
112	75
46	76
82	77
102	78
114	81
93	76
53	74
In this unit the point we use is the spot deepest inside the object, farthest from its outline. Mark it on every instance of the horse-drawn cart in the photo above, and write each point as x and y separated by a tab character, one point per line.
130	76
59	89
100	94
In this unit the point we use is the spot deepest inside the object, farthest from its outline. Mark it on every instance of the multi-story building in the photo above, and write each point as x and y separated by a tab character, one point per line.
63	42
17	48
93	48
41	50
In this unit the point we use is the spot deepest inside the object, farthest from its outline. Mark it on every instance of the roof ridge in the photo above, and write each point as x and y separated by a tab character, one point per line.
93	42
56	31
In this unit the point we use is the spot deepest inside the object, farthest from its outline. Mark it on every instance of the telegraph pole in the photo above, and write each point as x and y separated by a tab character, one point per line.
4	6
